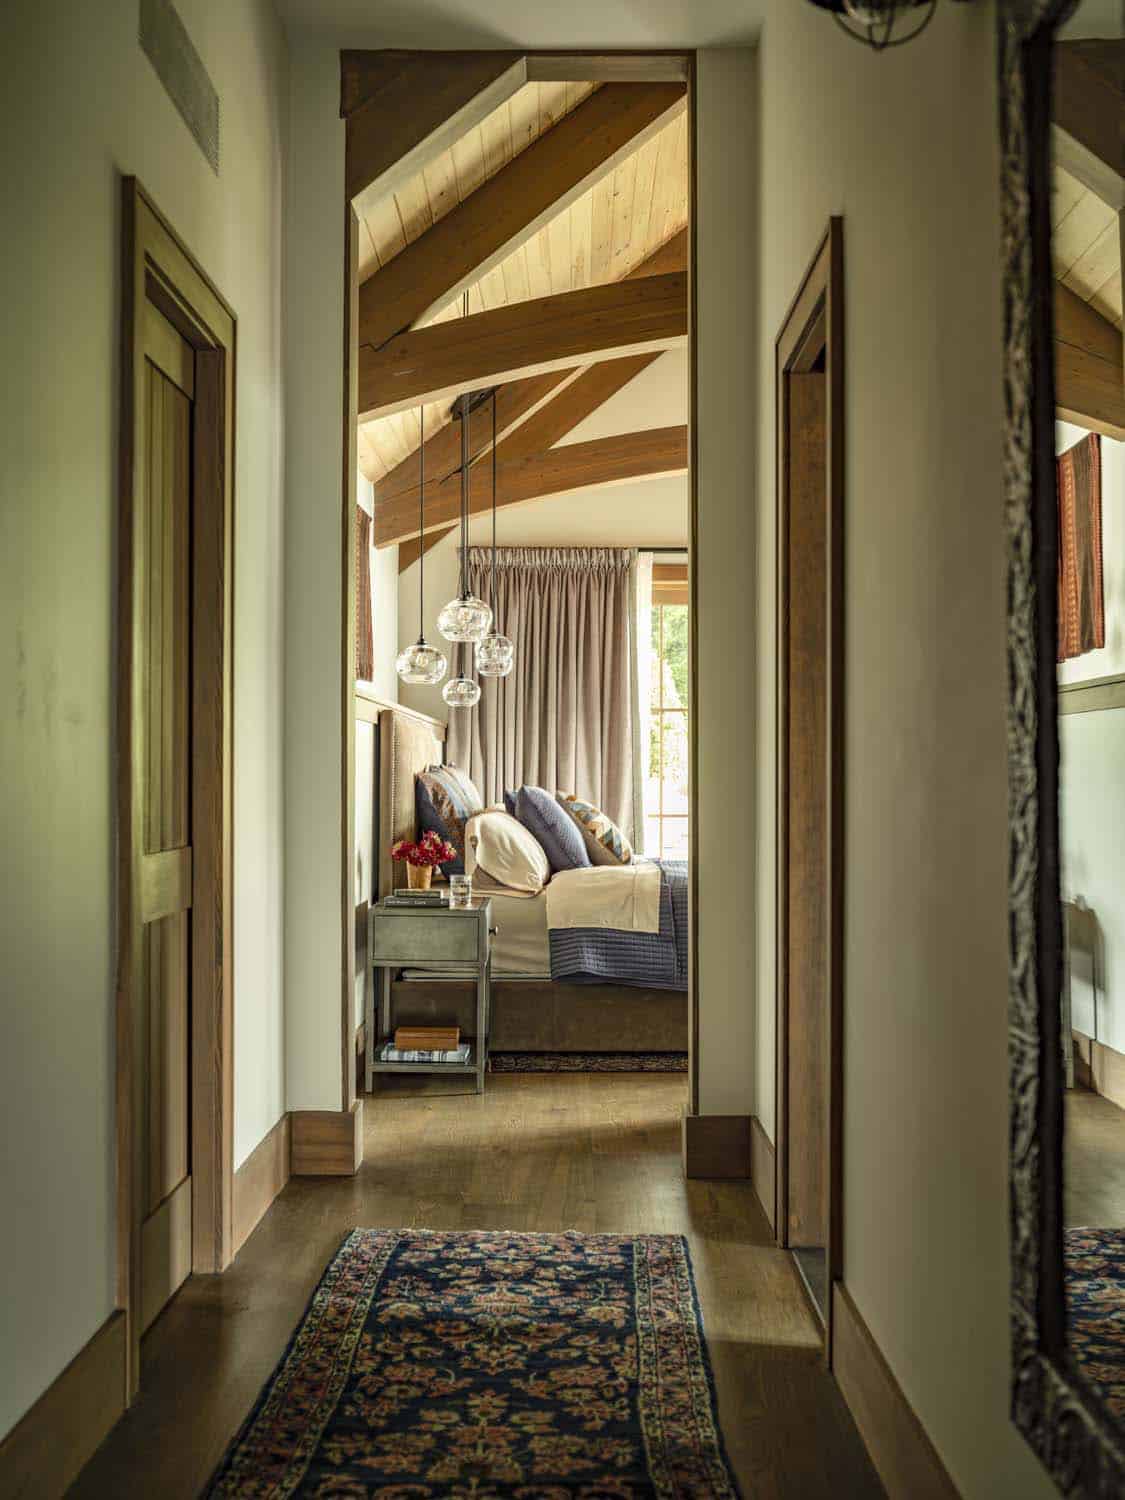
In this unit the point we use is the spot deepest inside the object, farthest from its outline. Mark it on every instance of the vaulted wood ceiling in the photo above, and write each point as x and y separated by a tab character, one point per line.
1086	245
628	212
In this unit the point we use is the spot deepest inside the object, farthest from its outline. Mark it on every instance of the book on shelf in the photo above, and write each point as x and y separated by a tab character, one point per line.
436	1038
408	897
389	1053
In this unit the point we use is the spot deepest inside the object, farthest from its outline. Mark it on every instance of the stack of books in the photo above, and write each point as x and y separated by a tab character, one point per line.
426	1044
407	897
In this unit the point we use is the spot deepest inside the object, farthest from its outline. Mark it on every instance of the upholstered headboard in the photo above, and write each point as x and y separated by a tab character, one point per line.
408	743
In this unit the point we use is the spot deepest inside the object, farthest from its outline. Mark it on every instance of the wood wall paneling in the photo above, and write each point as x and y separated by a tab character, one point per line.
906	1459
45	1451
717	1146
327	1143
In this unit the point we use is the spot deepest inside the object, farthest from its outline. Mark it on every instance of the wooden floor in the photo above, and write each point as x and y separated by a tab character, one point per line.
589	1152
1094	1175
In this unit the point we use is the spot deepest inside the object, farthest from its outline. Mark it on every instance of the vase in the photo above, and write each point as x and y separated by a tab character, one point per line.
418	877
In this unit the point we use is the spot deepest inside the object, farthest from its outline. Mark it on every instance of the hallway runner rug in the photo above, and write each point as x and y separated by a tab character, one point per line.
491	1364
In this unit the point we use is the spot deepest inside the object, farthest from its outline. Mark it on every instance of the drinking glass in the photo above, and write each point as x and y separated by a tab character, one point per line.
460	890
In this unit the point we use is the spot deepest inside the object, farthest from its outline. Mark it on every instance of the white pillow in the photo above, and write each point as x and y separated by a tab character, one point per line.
498	844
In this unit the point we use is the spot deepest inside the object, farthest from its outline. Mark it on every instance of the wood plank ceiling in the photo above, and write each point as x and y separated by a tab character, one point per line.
602	236
1086	245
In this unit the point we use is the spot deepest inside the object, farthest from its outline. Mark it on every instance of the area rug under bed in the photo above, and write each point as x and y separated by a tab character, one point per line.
588	1062
490	1364
1095	1295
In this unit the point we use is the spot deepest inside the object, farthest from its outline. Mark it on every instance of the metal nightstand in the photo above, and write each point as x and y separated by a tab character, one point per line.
446	939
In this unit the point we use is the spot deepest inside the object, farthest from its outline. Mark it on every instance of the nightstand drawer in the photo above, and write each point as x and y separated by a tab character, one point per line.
408	937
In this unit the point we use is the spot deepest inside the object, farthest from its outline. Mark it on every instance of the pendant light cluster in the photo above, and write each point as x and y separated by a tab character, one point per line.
465	620
880	24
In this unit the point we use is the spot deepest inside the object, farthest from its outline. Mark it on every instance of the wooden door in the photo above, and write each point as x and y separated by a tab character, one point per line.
163	1016
807	916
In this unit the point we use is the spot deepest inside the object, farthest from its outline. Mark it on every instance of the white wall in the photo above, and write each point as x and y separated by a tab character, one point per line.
81	105
727	229
904	146
1110	660
384	606
314	305
644	513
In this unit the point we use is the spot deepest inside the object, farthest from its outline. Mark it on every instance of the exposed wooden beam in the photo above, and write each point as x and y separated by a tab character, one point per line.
514	401
404	108
632	455
507	209
1087	109
410	550
593	387
547	333
520	399
1089	374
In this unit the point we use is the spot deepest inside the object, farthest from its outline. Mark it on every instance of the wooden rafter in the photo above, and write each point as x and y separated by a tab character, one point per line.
402	107
410	550
547	333
1087	109
631	455
1089	376
519	400
511	206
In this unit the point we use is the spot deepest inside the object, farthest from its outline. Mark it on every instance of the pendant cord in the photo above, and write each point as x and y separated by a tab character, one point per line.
495	630
465	473
421	523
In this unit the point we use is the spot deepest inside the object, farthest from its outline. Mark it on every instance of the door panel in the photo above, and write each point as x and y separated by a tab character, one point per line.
164	1019
808	915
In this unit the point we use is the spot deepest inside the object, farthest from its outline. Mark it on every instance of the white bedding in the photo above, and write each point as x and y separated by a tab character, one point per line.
623	897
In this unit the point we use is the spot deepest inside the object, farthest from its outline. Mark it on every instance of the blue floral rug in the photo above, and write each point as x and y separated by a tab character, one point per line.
588	1062
1095	1295
491	1364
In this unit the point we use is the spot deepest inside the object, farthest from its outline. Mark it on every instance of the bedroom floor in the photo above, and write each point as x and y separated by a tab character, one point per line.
538	1151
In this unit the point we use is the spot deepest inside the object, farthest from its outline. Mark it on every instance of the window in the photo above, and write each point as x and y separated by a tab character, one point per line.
666	792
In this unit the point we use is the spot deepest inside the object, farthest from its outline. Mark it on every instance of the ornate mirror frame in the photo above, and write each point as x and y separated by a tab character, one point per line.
1058	1413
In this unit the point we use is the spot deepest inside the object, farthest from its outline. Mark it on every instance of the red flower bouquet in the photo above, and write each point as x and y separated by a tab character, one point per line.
423	857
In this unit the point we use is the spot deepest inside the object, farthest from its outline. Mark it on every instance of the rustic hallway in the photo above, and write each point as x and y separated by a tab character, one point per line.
589	1152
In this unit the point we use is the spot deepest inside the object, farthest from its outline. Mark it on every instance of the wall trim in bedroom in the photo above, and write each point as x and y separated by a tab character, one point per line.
904	1457
763	1169
327	1142
47	1448
258	1181
1100	1068
717	1146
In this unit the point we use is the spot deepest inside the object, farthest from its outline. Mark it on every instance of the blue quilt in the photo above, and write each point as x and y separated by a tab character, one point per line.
646	960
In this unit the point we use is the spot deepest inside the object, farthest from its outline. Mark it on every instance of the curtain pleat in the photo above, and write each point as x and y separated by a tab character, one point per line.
563	718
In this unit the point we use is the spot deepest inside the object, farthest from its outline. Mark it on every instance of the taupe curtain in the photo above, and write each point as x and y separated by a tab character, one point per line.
564	718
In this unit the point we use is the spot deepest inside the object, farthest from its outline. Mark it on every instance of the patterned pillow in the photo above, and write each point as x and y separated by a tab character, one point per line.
605	843
444	798
562	841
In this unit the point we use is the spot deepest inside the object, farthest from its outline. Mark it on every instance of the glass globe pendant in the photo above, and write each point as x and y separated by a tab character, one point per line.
421	665
461	692
496	654
877	22
465	619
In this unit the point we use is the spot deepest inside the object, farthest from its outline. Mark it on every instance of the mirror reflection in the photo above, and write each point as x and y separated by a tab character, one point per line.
1088	193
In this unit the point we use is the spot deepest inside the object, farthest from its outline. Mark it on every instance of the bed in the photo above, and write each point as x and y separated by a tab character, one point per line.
531	1011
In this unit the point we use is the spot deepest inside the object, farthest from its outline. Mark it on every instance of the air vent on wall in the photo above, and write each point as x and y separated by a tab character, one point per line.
180	69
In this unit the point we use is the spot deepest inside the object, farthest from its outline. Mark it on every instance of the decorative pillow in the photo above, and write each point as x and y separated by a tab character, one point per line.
605	843
510	803
444	798
503	848
558	833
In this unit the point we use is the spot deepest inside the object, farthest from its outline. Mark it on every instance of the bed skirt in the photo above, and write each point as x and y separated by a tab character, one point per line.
539	1015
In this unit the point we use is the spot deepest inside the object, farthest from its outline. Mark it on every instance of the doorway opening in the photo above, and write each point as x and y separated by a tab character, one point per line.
809	367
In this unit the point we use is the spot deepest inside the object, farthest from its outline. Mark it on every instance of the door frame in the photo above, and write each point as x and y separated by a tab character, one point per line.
156	265
815	320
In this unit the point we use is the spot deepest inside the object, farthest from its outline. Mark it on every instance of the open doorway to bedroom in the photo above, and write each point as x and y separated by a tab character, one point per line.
523	388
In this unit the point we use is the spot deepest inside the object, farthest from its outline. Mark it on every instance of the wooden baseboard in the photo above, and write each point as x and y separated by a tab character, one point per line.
258	1181
326	1142
1100	1068
716	1145
763	1169
906	1461
46	1449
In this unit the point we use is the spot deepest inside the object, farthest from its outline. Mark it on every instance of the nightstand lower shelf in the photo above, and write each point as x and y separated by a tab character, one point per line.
470	1066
